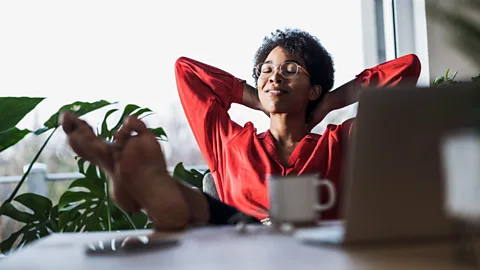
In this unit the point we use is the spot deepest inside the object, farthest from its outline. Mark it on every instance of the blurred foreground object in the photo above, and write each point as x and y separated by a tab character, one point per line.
461	163
461	150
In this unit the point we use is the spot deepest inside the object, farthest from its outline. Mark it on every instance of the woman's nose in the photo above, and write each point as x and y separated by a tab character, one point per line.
276	77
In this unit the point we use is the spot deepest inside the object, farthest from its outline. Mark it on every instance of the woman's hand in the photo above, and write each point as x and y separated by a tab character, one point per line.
251	100
339	98
320	113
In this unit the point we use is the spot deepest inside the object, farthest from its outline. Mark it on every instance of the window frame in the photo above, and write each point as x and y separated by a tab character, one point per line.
392	28
410	28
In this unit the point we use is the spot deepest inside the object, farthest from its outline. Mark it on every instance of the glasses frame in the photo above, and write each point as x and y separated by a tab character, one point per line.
279	67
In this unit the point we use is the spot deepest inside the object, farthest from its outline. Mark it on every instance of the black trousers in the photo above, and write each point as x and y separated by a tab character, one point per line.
224	214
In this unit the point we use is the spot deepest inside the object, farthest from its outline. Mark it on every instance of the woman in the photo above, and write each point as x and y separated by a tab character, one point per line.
293	75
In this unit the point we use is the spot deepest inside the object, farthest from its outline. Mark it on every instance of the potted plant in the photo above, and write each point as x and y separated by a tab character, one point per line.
86	205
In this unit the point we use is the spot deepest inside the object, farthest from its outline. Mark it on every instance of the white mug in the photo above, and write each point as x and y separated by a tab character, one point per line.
295	198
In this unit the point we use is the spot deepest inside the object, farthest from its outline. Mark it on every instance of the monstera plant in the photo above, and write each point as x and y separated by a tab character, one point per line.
86	205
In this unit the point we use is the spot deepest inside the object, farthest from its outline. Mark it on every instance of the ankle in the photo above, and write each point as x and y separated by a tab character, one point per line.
197	204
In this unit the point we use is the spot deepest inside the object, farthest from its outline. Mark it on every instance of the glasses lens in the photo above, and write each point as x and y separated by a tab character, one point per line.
264	69
289	69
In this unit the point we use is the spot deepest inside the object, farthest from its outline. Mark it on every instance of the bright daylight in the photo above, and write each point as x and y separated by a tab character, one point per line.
150	129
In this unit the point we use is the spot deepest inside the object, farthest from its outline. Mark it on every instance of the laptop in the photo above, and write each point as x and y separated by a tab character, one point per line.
394	181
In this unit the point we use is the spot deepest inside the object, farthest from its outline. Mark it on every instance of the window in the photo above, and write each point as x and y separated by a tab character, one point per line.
408	28
125	51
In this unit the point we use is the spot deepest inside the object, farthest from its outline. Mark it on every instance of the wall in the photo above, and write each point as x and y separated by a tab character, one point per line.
442	54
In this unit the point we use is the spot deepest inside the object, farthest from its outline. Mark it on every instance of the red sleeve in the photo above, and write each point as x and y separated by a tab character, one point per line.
206	94
404	70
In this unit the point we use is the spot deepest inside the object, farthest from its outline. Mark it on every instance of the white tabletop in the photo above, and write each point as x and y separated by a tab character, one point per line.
223	248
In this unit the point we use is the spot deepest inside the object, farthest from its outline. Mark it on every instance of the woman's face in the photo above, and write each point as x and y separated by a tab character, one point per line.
284	84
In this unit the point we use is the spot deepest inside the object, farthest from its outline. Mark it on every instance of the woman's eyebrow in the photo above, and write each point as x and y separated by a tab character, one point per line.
288	60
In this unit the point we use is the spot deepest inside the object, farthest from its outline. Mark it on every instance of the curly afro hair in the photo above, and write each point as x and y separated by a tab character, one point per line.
319	62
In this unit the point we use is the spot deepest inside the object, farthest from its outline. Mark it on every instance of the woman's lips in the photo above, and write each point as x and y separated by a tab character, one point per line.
276	92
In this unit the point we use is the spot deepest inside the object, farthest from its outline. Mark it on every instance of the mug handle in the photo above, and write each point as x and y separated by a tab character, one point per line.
331	191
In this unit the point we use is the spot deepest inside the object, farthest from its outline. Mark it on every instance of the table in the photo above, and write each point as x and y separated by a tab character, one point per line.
224	248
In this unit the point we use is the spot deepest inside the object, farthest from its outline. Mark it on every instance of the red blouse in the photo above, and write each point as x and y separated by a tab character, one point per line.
240	158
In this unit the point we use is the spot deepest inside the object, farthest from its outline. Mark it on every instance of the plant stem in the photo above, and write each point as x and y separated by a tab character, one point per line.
24	177
107	194
129	219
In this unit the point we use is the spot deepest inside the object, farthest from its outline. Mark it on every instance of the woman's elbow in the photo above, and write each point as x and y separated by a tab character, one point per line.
413	66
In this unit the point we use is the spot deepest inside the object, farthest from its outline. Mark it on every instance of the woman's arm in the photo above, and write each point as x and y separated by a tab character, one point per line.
250	97
206	94
404	70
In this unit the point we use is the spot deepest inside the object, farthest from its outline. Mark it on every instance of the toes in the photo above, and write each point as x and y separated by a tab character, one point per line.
69	122
135	124
85	143
131	125
122	135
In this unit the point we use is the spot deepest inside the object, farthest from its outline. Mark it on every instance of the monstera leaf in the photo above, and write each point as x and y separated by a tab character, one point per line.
159	133
129	221
11	136
87	206
83	207
79	108
129	110
192	177
14	109
42	221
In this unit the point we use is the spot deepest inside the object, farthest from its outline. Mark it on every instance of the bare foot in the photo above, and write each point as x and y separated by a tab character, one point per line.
94	149
137	168
140	166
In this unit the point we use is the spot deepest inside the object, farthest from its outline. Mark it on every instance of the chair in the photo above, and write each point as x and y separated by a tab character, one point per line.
209	186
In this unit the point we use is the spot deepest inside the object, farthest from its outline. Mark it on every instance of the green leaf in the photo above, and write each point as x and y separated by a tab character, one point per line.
11	137
84	210
141	111
27	234
126	112
129	110
140	220
7	209
128	221
454	75
192	177
104	131
14	109
159	133
79	108
439	80
84	206
42	222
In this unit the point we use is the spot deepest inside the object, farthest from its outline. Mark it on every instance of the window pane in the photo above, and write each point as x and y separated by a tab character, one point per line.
125	51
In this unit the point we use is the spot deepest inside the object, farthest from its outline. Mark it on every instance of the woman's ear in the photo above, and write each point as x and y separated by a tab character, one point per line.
315	92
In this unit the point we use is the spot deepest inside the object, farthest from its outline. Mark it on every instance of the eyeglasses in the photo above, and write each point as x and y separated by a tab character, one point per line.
288	69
